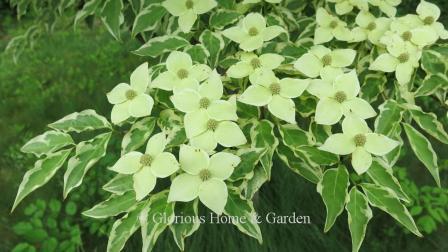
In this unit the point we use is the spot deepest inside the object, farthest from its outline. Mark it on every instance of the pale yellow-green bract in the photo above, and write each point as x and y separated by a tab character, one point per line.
188	10
343	7
329	27
253	66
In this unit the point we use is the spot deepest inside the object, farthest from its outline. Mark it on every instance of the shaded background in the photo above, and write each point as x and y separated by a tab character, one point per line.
69	71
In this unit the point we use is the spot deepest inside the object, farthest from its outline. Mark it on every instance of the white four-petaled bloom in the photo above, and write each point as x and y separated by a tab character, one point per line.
188	10
338	98
204	177
370	27
277	94
429	13
251	32
253	66
131	100
386	6
345	6
329	27
181	73
358	140
146	168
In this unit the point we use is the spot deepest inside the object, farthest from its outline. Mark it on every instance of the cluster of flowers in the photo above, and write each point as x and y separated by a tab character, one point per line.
197	91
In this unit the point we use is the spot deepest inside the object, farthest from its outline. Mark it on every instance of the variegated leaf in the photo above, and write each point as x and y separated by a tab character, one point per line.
120	184
262	135
181	230
47	143
113	206
81	121
359	215
429	123
389	117
383	175
249	159
160	45
148	18
137	135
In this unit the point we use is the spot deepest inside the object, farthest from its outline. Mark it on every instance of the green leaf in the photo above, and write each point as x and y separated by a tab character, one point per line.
120	184
373	85
382	175
171	123
429	123
112	17
81	121
137	135
262	135
297	165
433	62
222	18
114	205
254	184
160	45
386	200
42	172
148	18
249	159
155	218
48	142
87	154
431	84
123	228
333	189
389	117
359	215
242	208
198	53
181	230
88	9
214	43
423	150
316	156
293	136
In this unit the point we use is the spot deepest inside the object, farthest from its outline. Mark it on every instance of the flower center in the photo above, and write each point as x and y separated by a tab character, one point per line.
326	60
253	31
275	88
212	125
189	4
130	94
205	175
403	58
204	103
255	63
359	140
340	96
406	36
182	73
146	160
371	26
428	20
333	24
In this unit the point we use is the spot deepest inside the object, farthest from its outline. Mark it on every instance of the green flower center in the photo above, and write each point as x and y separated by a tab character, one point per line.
333	24
212	125
428	20
255	63
146	160
326	60
340	96
189	4
371	26
253	31
204	103
403	58
406	36
275	88
359	140
130	94
205	175
182	73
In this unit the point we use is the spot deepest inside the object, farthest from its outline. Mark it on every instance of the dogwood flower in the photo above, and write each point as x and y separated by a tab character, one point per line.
401	58
205	130
339	98
188	10
370	27
345	6
277	94
358	140
131	100
257	1
204	177
386	6
146	168
181	73
251	32
409	29
429	13
329	27
321	61
253	66
206	98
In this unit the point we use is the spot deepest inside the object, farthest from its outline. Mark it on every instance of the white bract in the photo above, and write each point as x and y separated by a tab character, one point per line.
429	13
338	98
251	32
386	6
358	140
181	73
253	66
188	10
204	177
329	27
131	100
345	6
146	168
276	94
370	27
323	62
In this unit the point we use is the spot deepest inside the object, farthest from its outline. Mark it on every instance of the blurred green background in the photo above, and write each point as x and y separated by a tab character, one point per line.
46	84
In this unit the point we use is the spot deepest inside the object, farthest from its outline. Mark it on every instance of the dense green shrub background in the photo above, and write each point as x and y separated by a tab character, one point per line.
47	84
